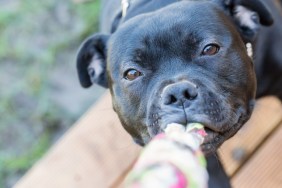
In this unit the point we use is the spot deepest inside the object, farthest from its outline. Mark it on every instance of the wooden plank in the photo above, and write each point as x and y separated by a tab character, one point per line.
92	154
266	117
265	167
97	152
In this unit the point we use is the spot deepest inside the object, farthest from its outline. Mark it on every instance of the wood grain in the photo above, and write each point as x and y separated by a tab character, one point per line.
97	152
92	154
266	117
264	169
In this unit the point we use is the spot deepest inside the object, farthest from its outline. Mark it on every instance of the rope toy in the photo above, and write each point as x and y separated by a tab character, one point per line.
173	159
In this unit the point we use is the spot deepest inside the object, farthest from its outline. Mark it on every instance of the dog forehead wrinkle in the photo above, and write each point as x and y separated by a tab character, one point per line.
163	45
186	13
181	21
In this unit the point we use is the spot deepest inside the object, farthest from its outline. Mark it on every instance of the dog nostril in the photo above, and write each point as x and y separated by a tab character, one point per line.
179	93
190	95
187	95
173	99
170	99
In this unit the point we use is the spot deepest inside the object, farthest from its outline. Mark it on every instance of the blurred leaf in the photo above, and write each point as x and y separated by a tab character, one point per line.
33	37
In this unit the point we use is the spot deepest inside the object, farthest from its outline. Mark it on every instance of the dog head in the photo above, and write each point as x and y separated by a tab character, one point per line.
186	62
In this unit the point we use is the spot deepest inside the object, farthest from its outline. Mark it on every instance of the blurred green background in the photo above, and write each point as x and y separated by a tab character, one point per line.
40	96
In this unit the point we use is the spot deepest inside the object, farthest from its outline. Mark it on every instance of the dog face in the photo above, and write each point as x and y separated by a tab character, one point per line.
183	63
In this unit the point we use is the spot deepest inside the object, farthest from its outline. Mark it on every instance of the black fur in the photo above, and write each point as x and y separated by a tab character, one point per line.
163	40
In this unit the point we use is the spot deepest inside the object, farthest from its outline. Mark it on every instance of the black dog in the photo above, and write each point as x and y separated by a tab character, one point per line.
176	61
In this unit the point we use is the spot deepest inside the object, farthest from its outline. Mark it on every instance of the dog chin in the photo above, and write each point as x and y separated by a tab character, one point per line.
214	139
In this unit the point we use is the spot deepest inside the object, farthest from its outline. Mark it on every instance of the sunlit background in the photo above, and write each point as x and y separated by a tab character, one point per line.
40	96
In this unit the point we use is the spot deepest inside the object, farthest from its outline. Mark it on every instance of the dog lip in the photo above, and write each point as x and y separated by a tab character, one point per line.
212	128
205	121
207	125
211	135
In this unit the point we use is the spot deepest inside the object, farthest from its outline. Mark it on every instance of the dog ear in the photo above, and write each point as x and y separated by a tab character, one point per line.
91	61
249	15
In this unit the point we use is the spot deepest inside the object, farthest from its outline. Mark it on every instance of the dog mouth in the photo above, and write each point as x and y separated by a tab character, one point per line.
215	139
211	134
215	135
221	120
212	139
210	143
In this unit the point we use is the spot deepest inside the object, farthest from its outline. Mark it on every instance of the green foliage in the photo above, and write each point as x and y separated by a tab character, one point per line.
90	13
33	37
14	164
23	162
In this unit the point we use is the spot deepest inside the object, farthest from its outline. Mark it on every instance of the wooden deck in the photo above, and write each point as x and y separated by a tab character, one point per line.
97	153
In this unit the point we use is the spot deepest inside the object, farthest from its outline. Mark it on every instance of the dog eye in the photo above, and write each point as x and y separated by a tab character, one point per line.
132	74
210	49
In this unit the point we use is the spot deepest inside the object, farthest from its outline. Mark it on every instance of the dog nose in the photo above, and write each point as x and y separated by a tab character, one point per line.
178	93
